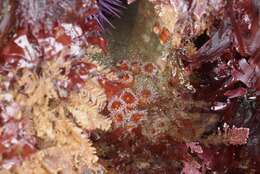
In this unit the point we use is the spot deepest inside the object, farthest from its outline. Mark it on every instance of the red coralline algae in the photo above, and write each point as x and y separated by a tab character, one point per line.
235	93
191	168
87	13
99	41
44	33
234	135
79	73
111	87
224	69
227	67
194	147
230	46
17	142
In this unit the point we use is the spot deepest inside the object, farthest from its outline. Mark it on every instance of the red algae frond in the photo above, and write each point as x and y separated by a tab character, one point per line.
112	88
234	135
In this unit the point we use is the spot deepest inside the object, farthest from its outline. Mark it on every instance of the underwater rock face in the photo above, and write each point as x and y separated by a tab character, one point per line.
118	87
187	19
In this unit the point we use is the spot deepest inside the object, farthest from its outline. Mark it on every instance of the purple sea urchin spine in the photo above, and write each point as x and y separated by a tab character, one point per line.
108	8
111	6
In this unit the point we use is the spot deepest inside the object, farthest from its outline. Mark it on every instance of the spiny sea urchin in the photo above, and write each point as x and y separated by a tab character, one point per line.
108	8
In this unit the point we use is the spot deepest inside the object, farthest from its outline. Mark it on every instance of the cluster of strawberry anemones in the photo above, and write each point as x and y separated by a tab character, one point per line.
123	110
126	106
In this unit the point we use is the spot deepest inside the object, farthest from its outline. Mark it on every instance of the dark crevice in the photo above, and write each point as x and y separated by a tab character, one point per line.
200	40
